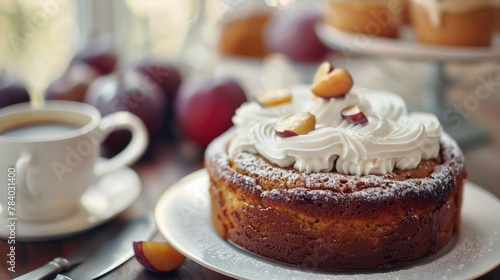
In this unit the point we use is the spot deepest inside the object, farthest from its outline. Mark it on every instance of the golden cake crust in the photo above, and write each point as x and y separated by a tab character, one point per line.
473	29
331	220
370	19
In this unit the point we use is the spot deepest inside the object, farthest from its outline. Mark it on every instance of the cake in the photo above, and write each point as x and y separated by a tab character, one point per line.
454	22
373	17
344	181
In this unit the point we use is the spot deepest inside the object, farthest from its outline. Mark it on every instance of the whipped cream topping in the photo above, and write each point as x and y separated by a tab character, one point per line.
390	139
435	8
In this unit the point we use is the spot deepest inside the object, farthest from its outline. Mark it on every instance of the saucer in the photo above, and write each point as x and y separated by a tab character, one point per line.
405	47
108	197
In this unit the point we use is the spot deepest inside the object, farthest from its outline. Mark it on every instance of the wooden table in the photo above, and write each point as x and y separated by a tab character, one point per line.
169	162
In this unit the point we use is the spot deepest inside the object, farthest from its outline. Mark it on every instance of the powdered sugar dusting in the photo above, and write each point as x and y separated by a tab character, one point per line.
270	181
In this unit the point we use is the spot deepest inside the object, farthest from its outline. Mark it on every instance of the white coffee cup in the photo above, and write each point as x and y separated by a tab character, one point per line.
49	156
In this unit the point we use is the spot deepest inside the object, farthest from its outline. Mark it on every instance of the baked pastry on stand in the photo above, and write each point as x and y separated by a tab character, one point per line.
452	22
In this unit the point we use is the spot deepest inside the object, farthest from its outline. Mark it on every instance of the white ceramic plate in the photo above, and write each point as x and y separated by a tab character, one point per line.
182	216
108	197
405	47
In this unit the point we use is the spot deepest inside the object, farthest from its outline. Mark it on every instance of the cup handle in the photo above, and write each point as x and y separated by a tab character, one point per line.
136	147
22	165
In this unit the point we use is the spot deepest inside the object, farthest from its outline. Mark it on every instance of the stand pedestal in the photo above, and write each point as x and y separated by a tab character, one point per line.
463	130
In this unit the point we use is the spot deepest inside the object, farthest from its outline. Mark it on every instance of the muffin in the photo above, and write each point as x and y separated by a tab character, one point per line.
454	22
244	35
372	17
344	182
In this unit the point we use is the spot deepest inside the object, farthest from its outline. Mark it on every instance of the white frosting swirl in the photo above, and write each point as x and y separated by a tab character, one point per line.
390	139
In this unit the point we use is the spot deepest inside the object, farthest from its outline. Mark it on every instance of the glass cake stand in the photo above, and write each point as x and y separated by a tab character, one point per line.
462	129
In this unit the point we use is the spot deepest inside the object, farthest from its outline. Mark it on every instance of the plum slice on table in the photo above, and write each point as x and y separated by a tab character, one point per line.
157	256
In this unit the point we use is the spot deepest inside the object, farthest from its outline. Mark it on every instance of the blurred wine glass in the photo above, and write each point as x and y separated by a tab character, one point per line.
37	42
